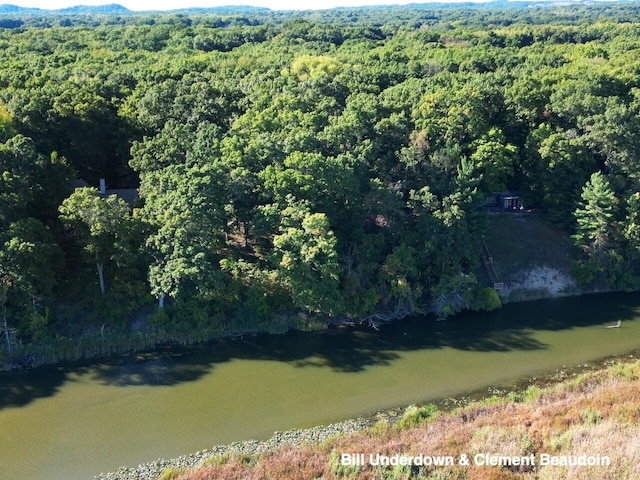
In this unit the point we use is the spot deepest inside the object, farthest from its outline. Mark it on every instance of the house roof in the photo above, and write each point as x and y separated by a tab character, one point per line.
129	195
509	195
80	183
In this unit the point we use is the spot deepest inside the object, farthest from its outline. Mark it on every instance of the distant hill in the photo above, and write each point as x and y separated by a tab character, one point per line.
5	8
225	10
111	8
114	8
80	9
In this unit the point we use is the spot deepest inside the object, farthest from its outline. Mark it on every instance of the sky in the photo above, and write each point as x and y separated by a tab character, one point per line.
138	5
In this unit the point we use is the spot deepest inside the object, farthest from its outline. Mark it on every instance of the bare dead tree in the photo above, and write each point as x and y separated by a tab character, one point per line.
402	310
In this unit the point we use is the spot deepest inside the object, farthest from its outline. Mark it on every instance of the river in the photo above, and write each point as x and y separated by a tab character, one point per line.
73	422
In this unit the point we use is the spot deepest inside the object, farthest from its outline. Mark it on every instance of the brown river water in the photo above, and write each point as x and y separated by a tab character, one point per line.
73	422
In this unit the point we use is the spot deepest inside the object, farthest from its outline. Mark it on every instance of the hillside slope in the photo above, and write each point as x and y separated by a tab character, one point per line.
531	257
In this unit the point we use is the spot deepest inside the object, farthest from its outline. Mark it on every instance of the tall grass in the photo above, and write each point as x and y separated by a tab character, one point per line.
65	349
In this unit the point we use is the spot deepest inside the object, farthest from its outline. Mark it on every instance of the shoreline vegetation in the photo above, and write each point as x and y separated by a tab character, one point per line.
588	411
105	344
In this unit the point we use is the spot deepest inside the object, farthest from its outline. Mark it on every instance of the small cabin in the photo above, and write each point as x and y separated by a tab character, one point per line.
510	201
129	195
505	201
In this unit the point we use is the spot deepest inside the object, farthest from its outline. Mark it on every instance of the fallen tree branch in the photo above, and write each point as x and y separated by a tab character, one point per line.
401	311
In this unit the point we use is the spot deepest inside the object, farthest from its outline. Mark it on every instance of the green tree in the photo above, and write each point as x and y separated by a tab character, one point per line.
495	159
98	224
307	260
189	219
31	184
558	167
8	333
7	130
595	216
596	230
32	257
631	225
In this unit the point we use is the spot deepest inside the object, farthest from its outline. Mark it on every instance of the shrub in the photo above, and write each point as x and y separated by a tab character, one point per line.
486	299
221	459
560	443
590	416
625	371
399	472
380	429
533	392
342	471
170	474
414	416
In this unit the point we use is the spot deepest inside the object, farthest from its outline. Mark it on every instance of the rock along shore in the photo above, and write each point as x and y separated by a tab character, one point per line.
315	435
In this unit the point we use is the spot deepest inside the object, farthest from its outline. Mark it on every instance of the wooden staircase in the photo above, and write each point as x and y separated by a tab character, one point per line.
487	261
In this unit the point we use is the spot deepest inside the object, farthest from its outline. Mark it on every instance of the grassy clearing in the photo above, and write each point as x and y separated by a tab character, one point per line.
596	413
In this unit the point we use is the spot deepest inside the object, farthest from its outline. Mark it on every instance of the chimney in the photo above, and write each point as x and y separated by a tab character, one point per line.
103	186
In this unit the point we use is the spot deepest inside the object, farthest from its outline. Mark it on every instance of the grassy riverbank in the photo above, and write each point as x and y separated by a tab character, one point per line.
595	414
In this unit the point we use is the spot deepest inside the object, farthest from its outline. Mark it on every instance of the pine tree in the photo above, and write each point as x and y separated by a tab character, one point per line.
595	217
596	234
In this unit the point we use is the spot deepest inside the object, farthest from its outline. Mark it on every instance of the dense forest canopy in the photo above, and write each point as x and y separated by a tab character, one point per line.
330	163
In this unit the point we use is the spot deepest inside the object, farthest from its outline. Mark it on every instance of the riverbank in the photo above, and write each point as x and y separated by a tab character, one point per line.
591	410
532	259
100	346
162	468
94	417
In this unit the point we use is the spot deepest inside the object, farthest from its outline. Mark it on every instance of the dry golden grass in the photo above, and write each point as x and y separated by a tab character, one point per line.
596	414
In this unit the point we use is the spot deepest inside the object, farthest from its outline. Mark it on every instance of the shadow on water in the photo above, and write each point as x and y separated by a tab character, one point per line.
18	389
343	349
162	367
